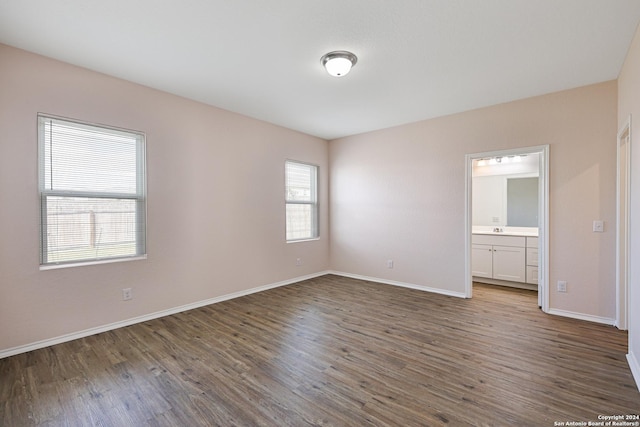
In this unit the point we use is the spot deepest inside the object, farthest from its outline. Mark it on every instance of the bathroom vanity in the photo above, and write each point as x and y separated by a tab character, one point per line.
506	257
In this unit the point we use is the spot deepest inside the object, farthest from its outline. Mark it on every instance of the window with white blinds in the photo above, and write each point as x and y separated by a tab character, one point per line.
92	192
301	197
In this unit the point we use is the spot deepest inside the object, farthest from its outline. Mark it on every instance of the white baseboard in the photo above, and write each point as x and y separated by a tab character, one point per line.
581	316
401	284
146	317
505	283
635	368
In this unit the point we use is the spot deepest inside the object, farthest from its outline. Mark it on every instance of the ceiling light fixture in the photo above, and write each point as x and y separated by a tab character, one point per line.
338	63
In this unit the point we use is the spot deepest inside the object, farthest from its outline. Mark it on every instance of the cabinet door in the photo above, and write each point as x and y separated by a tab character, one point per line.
482	261
509	263
532	275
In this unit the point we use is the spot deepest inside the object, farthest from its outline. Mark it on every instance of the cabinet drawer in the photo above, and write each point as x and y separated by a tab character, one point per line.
532	242
532	257
532	275
490	239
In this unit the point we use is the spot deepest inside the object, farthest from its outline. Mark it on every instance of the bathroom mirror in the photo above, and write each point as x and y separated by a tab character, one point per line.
522	202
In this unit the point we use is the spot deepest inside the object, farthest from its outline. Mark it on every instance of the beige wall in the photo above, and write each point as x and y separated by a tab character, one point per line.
215	202
629	105
399	194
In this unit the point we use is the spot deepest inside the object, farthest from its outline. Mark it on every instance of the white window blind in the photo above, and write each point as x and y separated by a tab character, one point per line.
92	192
301	201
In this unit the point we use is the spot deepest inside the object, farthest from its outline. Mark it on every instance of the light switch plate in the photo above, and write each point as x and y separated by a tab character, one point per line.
598	226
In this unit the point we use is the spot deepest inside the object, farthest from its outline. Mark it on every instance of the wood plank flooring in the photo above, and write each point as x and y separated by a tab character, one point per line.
331	351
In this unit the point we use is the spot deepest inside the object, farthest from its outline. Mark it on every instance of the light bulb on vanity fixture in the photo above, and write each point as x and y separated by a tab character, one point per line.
339	62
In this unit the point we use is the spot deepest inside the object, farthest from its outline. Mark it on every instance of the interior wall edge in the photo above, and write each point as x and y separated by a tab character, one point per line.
635	368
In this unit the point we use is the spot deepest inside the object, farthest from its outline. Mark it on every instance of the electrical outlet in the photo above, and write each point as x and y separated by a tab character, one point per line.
127	294
389	263
298	262
562	286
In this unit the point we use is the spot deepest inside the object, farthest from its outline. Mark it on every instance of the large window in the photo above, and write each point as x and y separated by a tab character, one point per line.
92	192
301	196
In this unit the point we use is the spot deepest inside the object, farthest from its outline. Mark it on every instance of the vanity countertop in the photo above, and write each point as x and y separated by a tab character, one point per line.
507	231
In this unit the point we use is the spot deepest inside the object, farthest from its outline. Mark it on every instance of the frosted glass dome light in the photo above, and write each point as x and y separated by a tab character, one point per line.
339	62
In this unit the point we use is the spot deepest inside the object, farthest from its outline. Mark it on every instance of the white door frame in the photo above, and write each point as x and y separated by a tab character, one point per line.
623	183
543	217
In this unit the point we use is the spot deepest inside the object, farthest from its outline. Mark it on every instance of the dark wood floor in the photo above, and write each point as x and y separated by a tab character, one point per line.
331	351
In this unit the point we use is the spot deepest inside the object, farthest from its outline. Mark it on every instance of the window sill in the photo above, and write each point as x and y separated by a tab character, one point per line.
303	240
85	263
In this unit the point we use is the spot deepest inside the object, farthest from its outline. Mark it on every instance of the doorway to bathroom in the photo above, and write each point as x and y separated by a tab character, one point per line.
506	216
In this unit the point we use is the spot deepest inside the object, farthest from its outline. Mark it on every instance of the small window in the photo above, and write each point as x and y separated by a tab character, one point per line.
92	192
301	197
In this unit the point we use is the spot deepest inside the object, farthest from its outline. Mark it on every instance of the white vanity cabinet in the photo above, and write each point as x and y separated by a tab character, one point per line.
499	257
532	260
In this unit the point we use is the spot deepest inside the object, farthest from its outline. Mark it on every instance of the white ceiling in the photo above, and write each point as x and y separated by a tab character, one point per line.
417	59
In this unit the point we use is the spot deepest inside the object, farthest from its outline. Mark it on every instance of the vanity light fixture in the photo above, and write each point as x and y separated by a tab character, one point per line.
493	161
339	62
